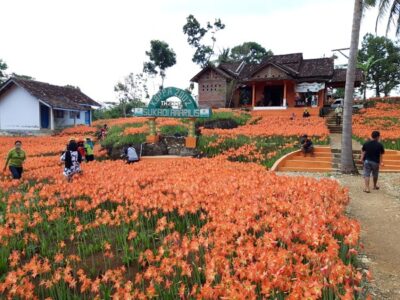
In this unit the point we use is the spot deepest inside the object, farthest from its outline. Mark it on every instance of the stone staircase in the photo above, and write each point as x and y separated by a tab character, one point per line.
391	161
331	123
321	161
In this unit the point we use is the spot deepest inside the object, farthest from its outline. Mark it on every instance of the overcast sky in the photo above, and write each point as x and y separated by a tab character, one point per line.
94	43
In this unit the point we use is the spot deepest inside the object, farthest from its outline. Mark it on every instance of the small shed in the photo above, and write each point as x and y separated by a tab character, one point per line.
28	105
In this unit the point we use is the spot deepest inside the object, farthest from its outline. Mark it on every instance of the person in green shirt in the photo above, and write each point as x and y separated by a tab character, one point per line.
15	160
89	149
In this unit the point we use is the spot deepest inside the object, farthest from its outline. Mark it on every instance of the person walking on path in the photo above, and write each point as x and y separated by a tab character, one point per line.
338	113
371	157
15	160
72	159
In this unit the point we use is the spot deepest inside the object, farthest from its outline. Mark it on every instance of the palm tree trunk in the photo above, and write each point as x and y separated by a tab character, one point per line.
347	162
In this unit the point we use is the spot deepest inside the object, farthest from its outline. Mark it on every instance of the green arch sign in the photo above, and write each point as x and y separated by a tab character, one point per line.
162	96
157	106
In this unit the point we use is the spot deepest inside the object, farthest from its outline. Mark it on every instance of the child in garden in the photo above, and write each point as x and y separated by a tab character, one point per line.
72	159
89	149
103	132
82	149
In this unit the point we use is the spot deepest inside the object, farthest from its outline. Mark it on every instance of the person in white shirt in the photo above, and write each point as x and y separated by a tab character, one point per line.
131	155
338	113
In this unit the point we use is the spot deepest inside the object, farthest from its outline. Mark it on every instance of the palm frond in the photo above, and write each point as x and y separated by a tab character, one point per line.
393	15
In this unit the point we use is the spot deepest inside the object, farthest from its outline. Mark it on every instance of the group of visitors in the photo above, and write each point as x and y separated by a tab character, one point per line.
371	157
78	151
74	154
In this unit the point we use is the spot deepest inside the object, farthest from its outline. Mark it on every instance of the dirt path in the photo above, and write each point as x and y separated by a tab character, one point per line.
379	215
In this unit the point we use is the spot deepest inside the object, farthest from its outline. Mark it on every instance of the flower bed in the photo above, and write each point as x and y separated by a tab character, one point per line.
384	117
208	229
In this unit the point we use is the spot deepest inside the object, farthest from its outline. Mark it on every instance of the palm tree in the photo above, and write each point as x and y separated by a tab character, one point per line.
390	8
347	162
365	68
385	6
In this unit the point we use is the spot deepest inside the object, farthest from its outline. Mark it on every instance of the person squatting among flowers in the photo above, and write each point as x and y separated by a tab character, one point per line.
72	160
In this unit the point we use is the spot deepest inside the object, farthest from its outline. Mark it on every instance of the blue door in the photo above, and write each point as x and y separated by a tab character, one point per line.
87	117
44	116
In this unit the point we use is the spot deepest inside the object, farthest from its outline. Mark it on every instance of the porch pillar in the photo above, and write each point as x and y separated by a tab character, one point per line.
51	119
253	96
284	94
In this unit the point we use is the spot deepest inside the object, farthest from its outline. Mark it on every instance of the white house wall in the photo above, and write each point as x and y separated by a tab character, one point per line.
19	110
67	121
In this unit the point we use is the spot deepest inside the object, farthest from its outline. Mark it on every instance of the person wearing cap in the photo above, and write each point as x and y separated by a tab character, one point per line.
15	160
89	148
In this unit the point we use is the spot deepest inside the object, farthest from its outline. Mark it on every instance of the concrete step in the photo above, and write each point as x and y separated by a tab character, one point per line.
311	158
316	154
311	170
303	164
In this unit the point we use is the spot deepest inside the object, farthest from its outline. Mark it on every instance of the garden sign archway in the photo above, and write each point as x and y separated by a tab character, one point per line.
158	107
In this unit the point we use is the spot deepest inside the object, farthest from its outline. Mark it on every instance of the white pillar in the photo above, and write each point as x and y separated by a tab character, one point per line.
284	94
51	119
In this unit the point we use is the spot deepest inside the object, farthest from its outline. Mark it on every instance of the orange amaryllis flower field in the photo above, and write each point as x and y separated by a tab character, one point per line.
384	117
171	229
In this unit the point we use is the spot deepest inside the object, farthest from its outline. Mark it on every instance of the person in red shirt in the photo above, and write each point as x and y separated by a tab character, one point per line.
81	149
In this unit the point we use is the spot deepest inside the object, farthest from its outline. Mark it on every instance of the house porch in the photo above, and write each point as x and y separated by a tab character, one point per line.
279	94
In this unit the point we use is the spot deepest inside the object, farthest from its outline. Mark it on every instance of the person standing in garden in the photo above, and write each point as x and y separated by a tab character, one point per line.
89	148
15	160
72	160
371	157
103	132
338	114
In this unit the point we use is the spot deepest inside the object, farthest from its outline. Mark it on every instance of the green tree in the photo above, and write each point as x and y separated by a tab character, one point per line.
131	92
161	57
19	76
224	56
250	52
3	68
195	38
365	67
381	58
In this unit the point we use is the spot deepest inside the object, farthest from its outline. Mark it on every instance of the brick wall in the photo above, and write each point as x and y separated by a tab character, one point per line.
212	89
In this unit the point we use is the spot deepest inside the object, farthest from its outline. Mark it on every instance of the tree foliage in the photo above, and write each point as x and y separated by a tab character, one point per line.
131	92
195	37
21	76
161	57
249	52
384	69
389	9
3	68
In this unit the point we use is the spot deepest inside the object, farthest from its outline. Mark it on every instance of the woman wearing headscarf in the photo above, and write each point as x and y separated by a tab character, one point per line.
72	160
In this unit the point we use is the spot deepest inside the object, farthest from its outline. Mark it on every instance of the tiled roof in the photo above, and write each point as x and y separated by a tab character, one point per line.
339	75
293	64
56	96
